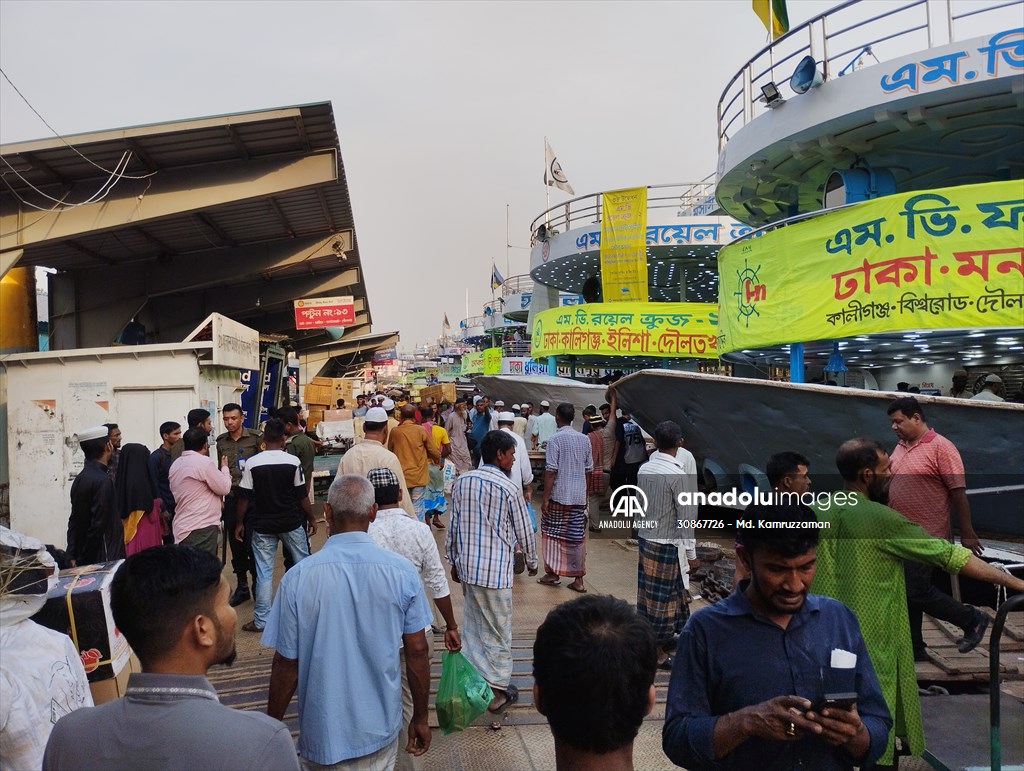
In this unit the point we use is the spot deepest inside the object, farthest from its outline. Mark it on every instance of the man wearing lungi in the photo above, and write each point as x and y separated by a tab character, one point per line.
662	576
488	519
564	511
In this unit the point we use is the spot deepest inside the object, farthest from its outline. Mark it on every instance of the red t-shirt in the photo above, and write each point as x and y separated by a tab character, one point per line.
923	476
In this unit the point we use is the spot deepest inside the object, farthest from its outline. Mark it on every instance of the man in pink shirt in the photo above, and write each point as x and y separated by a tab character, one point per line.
198	487
927	480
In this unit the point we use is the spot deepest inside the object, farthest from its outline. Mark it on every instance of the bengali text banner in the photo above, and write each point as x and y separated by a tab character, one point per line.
942	259
624	245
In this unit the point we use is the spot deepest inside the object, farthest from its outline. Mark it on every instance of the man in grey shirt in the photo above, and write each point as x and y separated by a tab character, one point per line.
171	604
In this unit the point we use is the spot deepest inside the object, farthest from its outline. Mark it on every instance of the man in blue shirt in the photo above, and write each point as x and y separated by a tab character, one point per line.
337	623
751	673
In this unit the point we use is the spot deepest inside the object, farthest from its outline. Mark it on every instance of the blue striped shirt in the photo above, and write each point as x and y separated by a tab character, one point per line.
488	518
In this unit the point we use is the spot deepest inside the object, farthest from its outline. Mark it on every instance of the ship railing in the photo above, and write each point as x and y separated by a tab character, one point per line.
472	321
517	285
696	198
515	348
848	37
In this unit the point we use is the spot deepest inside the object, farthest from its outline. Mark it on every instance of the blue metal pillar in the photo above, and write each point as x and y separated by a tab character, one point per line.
796	363
552	367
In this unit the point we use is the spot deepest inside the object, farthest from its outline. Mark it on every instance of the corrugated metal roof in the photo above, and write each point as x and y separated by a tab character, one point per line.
317	210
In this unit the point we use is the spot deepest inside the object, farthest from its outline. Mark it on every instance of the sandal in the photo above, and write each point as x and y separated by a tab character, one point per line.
577	588
251	627
438	523
549	582
511	697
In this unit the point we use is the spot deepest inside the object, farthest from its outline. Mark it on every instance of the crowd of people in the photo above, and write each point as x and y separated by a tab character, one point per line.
829	601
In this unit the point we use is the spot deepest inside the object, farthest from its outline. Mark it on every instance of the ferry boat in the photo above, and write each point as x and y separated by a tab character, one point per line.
864	228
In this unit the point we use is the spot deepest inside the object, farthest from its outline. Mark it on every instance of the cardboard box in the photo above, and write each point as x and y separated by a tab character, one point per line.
316	393
115	687
439	393
335	415
79	606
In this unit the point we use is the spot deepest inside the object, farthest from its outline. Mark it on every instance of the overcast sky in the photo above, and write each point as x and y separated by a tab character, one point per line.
441	107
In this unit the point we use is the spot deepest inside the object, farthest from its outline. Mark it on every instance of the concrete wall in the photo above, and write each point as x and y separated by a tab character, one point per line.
48	400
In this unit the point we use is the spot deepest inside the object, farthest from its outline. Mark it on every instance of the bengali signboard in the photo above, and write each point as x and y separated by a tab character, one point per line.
320	312
523	365
492	361
941	259
663	330
473	363
624	245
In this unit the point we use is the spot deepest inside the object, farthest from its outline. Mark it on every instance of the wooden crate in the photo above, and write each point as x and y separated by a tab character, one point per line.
316	393
439	393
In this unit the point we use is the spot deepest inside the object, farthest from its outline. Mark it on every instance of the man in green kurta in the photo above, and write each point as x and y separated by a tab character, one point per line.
860	563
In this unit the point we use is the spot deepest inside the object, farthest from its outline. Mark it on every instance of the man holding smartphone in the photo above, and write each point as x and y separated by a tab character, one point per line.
749	685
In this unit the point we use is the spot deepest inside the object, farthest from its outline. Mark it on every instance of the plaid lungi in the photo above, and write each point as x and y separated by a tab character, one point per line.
487	633
563	528
660	595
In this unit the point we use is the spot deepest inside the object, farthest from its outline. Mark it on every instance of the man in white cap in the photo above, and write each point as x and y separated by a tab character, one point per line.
388	405
526	411
522	473
95	533
519	427
499	407
372	453
544	426
990	389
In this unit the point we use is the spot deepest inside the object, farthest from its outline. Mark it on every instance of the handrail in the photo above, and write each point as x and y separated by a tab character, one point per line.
586	209
472	321
1014	603
741	100
517	284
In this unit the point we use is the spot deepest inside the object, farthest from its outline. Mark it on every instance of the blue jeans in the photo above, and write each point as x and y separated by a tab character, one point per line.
264	552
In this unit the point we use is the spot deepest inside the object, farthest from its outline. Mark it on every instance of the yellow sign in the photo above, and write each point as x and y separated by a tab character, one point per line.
473	363
664	330
945	258
492	361
624	245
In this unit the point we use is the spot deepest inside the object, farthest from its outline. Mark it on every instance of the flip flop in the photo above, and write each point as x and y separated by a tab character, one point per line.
580	589
556	582
511	697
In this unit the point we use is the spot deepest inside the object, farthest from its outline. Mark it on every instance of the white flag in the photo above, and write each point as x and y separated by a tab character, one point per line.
553	174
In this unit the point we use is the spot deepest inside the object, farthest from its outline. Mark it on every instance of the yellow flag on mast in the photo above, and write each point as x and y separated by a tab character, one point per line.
773	15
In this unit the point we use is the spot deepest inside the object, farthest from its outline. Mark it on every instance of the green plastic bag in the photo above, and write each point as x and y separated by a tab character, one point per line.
462	695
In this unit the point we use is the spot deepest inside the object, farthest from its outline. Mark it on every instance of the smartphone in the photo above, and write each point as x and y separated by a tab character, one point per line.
836	701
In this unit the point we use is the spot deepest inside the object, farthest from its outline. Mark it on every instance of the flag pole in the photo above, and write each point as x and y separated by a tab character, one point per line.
547	187
508	270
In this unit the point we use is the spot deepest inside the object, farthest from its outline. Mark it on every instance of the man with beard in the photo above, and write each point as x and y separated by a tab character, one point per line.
171	604
860	563
456	425
747	690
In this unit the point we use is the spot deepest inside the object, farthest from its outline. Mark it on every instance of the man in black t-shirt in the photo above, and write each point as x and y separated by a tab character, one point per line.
280	511
629	451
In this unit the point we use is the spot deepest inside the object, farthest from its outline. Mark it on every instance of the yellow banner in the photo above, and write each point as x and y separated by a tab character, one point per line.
492	361
941	259
624	245
664	330
473	363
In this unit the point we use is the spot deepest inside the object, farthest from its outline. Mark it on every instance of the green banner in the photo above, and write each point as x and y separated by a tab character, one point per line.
941	259
473	363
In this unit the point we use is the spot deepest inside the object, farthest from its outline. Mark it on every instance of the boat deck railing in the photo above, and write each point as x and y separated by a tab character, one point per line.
846	37
696	198
517	285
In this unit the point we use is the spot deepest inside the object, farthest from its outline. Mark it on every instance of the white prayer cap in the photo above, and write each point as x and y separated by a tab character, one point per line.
375	415
388	405
499	403
506	417
516	407
96	432
545	403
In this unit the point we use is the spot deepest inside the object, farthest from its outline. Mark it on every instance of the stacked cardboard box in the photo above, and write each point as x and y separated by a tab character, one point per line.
324	392
439	393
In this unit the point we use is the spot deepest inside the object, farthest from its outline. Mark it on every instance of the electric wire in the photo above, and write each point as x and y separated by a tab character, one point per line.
104	189
62	139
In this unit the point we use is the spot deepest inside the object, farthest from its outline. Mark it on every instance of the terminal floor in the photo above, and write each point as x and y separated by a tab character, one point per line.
523	740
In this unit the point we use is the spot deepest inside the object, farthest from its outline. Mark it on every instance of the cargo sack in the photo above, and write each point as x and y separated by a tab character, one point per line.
462	695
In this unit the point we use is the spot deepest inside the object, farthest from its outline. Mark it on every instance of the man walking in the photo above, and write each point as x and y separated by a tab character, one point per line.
95	533
198	487
456	424
479	426
665	552
563	522
171	604
544	426
629	452
597	485
369	604
160	466
489	518
401	534
927	479
371	453
414	448
238	444
280	511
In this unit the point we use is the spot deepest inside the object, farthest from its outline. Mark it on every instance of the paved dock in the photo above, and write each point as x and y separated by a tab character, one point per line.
524	741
